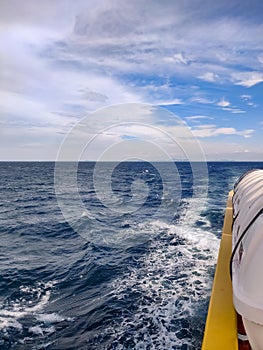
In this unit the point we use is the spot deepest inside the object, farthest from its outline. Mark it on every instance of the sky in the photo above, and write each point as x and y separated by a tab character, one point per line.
164	65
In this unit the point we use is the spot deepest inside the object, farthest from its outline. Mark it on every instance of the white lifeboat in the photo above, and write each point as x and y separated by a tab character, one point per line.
247	254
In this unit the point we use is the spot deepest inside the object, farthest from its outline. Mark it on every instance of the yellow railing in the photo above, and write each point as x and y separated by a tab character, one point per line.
221	329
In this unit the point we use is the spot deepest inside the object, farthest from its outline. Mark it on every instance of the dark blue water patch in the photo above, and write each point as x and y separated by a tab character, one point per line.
60	291
122	179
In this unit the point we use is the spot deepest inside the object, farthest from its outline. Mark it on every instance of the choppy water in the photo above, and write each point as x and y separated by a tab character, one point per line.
139	280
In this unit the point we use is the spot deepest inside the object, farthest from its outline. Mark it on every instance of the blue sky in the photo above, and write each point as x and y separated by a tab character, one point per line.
63	60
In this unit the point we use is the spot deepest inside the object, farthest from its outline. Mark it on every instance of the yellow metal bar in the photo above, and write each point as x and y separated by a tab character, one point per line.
221	328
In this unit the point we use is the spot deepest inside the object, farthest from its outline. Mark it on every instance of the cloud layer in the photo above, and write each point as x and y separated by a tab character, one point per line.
62	60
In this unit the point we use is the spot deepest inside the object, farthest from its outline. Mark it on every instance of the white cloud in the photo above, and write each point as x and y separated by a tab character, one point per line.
124	37
247	79
234	110
223	103
213	131
178	58
201	100
209	76
107	131
176	101
198	117
246	97
260	58
231	151
62	59
248	100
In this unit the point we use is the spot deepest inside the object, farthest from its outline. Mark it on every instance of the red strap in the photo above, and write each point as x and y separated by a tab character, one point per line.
243	343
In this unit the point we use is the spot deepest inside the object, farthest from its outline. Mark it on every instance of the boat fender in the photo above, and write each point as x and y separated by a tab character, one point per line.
243	343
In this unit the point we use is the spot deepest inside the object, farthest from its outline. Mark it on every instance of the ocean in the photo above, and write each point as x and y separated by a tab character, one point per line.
133	270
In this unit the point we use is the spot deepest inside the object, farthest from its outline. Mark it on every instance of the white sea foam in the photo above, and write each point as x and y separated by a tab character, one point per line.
6	323
52	318
87	214
36	330
16	309
170	282
30	303
40	330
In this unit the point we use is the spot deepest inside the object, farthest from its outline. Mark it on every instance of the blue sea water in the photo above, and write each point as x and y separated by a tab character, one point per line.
137	278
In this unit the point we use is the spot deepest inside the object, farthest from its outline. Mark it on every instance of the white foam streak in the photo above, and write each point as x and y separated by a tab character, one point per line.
52	318
18	310
12	314
170	282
